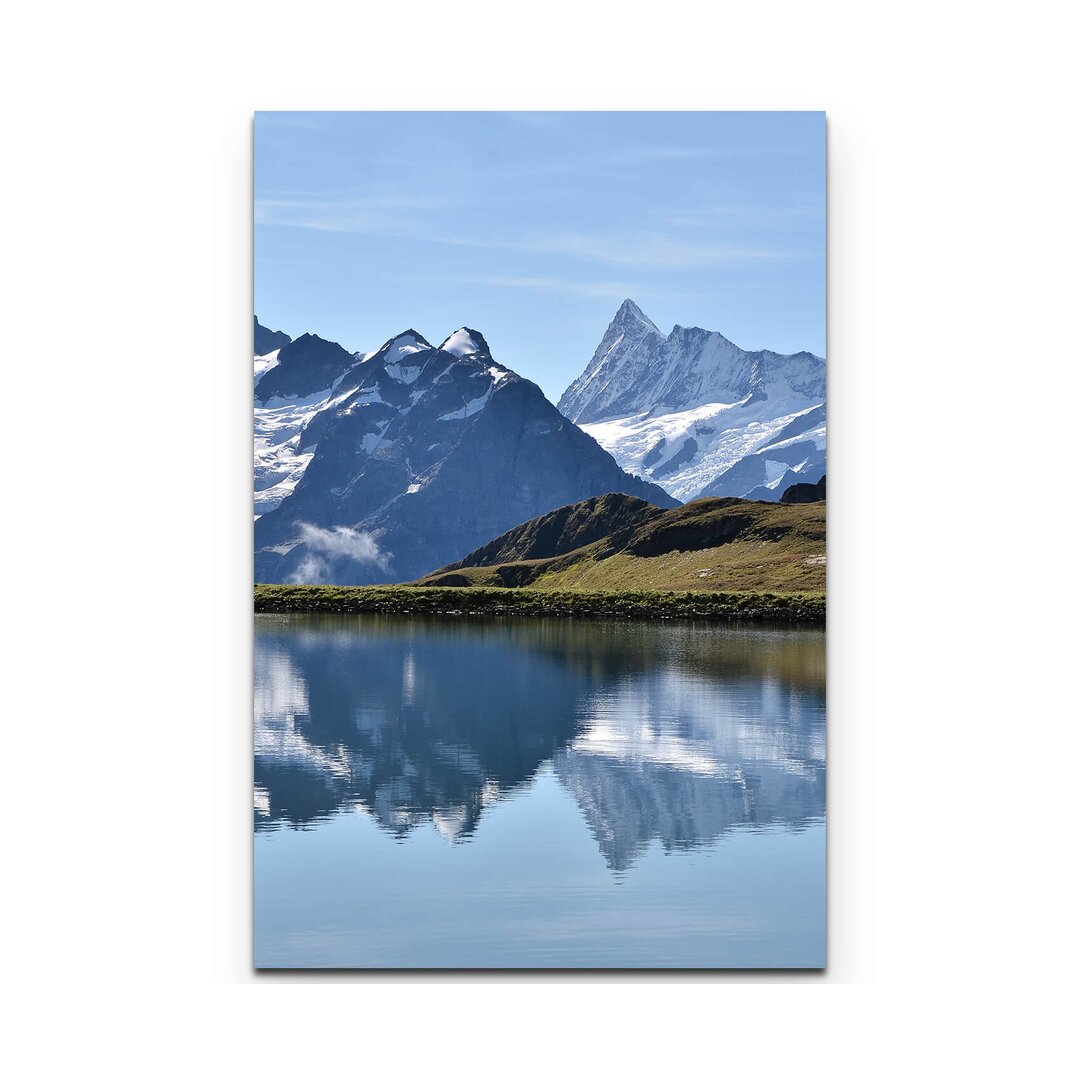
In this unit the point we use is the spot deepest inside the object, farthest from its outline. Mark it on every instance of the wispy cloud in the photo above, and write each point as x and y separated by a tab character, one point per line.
610	289
397	217
325	547
724	213
653	250
387	215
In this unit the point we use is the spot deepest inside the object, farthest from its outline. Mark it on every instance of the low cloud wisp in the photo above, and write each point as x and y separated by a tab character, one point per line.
325	547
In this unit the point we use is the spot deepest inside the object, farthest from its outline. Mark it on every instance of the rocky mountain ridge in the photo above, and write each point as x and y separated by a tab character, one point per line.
409	458
696	414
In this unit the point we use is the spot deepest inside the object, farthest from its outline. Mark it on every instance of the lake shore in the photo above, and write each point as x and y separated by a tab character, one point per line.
806	609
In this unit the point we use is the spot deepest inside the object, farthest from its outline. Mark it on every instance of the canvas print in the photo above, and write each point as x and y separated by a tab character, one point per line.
539	540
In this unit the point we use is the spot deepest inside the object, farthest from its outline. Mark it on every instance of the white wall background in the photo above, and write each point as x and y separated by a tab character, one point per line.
953	350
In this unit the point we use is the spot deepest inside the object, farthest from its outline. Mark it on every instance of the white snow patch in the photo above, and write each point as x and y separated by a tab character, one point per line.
724	433
279	462
460	343
404	373
370	442
774	472
815	435
366	395
264	363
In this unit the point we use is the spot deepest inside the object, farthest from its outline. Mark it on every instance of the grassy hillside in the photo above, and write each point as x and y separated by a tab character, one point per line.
729	545
563	530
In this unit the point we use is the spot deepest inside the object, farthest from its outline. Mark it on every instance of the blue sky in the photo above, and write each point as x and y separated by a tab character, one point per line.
533	227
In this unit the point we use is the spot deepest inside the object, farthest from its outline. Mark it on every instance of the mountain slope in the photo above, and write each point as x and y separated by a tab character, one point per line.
625	360
268	340
563	530
420	454
686	408
293	383
709	544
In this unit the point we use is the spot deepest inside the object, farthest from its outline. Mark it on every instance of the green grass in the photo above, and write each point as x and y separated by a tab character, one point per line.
751	566
713	545
623	603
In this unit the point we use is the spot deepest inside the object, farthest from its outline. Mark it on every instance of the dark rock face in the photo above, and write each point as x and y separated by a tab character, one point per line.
431	454
656	452
304	367
267	341
685	453
805	493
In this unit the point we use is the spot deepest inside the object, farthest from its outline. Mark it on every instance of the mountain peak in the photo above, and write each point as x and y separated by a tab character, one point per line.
399	346
663	407
696	337
630	312
304	366
465	342
266	341
405	338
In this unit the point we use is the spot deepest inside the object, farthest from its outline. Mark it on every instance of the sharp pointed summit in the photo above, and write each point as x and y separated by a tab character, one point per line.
621	361
629	312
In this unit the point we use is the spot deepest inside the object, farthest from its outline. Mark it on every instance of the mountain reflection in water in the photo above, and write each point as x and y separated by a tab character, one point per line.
674	733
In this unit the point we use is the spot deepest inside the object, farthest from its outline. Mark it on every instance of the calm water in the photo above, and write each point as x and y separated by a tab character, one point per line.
445	793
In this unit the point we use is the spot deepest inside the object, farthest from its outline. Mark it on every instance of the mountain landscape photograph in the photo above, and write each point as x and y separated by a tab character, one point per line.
539	527
539	664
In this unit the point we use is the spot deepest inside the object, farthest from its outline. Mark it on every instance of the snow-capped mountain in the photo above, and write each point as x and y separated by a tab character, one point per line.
698	415
408	458
294	380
